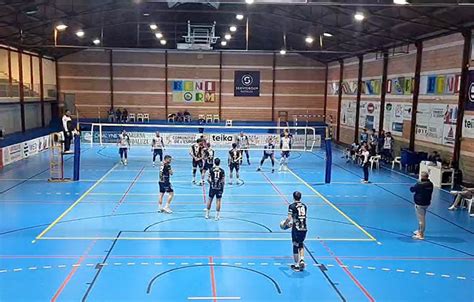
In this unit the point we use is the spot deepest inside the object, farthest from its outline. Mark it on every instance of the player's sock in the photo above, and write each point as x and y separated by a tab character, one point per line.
218	215
207	214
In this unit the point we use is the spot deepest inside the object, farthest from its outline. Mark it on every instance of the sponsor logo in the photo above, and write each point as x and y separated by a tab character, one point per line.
247	80
222	138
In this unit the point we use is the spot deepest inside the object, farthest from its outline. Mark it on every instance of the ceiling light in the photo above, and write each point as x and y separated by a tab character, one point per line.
227	36
61	27
80	33
31	10
359	16
153	26
96	41
224	43
163	42
400	2
146	14
233	28
249	1
327	34
159	35
283	52
239	17
309	39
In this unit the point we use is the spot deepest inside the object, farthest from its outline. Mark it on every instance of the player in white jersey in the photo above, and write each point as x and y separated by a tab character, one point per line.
243	144
123	144
268	152
157	146
285	146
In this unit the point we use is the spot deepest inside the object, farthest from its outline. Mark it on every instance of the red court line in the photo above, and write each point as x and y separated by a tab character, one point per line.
276	188
72	272
128	190
204	192
213	280
348	272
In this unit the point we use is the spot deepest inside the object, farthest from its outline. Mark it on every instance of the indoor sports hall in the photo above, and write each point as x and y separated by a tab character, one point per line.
236	150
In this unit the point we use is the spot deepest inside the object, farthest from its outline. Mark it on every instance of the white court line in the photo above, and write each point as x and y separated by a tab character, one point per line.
213	298
205	239
195	194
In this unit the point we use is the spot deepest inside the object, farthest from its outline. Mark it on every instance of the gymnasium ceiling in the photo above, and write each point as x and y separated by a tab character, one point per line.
125	23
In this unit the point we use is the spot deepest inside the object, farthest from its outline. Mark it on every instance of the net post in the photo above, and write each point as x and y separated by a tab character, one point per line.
92	134
77	156
100	134
328	147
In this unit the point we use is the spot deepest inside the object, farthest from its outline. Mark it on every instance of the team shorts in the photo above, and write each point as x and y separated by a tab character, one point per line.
123	151
215	193
234	166
197	163
165	187
285	154
207	166
265	156
298	236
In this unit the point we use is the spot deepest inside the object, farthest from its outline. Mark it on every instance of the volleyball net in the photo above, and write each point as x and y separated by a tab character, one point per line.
303	138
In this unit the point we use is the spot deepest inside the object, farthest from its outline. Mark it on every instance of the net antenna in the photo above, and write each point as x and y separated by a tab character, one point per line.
199	37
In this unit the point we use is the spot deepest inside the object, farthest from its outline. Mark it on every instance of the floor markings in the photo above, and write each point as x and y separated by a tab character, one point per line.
213	298
205	239
48	228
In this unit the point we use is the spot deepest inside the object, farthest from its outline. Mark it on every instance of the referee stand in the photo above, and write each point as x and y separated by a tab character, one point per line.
57	155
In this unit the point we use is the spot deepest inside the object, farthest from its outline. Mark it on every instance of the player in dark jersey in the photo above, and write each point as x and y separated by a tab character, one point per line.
196	153
235	157
208	159
268	152
165	184
297	216
216	187
243	144
157	146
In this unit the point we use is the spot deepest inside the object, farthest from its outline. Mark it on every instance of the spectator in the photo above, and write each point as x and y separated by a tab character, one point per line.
111	115
172	117
388	147
180	116
373	139
118	115
364	136
365	156
125	115
423	191
434	157
187	115
465	193
381	141
67	131
351	152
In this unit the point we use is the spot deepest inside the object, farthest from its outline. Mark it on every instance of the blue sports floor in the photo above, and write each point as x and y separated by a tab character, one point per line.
102	239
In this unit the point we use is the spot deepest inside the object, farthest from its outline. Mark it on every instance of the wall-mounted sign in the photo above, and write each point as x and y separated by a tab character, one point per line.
247	83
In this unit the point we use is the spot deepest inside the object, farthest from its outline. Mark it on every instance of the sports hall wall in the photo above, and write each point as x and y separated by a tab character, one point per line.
143	81
27	81
441	65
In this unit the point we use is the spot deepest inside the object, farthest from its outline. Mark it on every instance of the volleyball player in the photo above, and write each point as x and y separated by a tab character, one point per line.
196	153
285	146
124	145
243	144
208	159
165	184
216	188
157	146
268	152
235	158
297	215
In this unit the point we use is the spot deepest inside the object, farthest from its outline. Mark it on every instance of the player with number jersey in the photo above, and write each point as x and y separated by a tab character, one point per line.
297	214
196	153
268	152
165	184
123	144
157	146
285	146
235	158
216	188
243	144
208	159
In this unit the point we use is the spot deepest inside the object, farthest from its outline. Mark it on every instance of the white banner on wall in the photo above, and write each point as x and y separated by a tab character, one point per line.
394	116
348	112
369	115
468	126
436	123
25	149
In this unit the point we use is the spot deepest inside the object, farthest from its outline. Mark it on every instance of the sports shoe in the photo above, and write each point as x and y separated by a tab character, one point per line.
160	210
273	170
217	218
230	182
418	237
259	169
154	164
194	181
302	265
295	268
167	210
452	208
416	232
206	216
248	162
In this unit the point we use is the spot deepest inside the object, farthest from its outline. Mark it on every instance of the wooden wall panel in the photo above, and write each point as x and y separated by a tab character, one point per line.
136	57
138	72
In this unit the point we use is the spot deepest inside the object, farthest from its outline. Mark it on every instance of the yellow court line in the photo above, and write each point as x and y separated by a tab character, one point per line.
372	238
49	227
205	239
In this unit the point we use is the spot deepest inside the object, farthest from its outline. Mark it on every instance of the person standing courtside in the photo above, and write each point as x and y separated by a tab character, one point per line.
216	188
365	155
423	192
157	145
165	185
243	144
297	212
67	131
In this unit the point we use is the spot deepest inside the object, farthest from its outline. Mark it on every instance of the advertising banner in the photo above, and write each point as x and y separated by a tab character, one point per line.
369	115
194	91
470	92
348	112
246	83
436	123
394	116
468	126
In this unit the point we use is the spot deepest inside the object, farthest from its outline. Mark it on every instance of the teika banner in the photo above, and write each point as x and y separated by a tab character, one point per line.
247	83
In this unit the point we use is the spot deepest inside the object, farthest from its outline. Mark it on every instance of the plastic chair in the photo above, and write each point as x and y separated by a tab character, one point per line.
132	117
208	118
140	117
470	208
228	123
146	117
375	160
187	119
397	161
216	118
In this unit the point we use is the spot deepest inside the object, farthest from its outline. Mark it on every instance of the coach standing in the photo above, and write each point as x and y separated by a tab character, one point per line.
423	191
